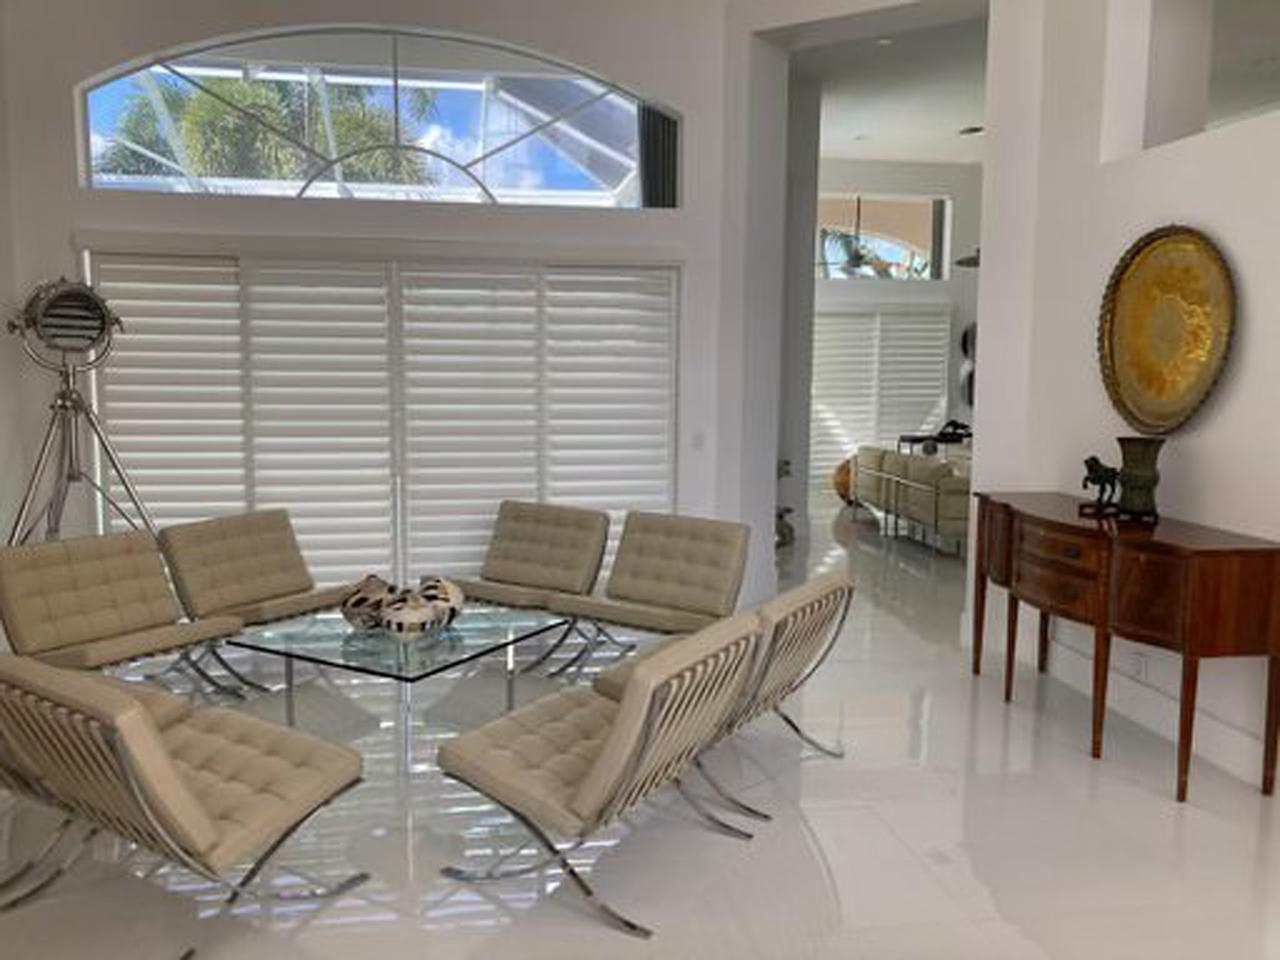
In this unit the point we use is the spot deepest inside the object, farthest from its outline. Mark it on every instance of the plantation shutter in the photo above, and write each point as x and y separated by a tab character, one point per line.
319	394
471	407
172	402
843	409
389	406
878	372
912	377
608	377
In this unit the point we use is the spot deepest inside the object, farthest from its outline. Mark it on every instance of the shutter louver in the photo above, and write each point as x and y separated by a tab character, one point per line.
172	402
320	399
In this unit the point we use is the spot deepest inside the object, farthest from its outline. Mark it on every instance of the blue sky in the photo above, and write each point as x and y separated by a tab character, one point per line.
453	129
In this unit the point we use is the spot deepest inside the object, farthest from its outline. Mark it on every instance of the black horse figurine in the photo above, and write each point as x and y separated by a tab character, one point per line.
1098	474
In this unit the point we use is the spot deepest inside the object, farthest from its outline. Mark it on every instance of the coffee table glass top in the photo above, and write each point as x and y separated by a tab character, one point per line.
326	638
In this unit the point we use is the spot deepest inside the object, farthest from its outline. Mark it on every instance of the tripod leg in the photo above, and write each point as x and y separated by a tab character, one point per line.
118	466
62	482
42	463
109	500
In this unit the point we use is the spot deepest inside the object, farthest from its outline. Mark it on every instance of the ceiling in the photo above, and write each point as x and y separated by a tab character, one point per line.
905	92
903	96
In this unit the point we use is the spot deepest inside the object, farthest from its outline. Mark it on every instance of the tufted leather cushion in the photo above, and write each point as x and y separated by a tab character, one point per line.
870	487
231	562
642	616
56	595
928	472
144	643
546	546
683	563
612	683
253	778
293	605
506	594
953	506
45	708
534	758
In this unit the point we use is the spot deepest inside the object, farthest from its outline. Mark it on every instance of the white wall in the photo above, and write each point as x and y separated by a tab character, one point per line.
11	394
1041	408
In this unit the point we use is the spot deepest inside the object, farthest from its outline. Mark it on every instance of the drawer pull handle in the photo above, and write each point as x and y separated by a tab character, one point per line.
1071	552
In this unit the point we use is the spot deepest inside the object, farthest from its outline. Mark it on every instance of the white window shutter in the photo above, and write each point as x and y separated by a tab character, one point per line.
319	392
390	406
912	377
609	382
842	412
471	421
878	372
172	400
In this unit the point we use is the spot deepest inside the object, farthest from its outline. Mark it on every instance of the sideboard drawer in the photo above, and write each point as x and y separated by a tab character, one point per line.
1052	545
1069	595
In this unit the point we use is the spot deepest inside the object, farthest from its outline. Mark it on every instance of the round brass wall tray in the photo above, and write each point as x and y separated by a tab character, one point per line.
1166	327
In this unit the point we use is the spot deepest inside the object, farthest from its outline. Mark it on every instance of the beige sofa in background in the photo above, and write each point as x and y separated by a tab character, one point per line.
93	602
930	493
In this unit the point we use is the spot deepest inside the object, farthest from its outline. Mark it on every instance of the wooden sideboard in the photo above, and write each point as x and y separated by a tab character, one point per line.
1187	588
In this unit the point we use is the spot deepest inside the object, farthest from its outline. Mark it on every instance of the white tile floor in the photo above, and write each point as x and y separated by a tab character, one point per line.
955	828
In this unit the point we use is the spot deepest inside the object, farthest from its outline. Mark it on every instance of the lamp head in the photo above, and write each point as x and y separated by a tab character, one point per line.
66	323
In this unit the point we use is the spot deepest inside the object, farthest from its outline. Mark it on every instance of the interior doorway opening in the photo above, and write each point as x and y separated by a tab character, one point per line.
885	345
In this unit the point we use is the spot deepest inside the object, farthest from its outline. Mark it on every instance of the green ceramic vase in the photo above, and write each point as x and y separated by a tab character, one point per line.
1139	476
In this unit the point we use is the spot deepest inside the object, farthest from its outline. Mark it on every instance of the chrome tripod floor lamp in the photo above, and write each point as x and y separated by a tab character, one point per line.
67	328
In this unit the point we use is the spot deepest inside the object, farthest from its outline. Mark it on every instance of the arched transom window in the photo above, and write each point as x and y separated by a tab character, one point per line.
377	114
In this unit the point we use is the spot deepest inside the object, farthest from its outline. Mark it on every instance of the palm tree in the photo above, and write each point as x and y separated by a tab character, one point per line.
252	129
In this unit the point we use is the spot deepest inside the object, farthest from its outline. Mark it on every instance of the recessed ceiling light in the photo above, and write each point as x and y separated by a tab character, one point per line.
975	130
884	42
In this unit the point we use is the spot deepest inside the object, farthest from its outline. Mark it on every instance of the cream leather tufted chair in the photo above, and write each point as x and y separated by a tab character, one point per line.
246	565
96	601
672	574
574	761
208	788
798	628
538	550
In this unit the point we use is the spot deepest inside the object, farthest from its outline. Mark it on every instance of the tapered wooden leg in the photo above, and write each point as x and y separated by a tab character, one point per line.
1010	645
1187	720
1042	660
979	618
1272	727
1101	668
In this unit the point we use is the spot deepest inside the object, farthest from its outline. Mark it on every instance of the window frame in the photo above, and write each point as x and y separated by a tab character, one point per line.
943	227
83	117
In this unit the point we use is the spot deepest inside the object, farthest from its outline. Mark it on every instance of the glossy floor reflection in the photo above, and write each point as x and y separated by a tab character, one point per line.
955	828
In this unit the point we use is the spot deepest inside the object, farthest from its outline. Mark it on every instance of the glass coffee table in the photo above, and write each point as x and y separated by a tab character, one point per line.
326	639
